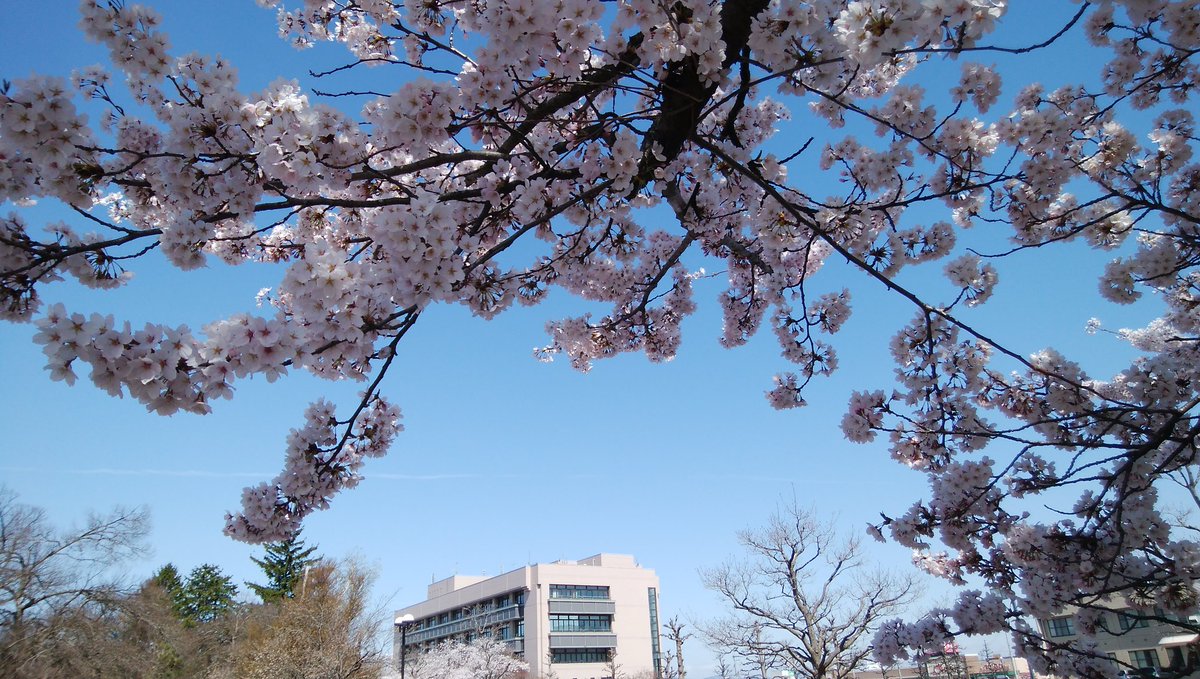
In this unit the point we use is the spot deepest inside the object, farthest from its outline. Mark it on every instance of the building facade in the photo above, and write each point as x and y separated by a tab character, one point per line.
567	619
1140	641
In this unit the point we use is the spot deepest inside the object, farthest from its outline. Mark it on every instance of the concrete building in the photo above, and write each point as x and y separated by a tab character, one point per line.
1142	642
572	618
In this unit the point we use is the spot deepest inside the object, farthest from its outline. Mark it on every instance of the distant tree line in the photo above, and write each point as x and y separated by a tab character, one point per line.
64	611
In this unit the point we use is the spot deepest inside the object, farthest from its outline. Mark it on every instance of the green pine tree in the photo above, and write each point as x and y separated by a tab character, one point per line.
206	595
167	578
284	565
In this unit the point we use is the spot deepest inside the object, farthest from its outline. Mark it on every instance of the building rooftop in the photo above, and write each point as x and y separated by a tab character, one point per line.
457	582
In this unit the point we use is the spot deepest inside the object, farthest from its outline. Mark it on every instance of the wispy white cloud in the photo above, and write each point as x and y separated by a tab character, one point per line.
109	471
752	478
435	477
202	473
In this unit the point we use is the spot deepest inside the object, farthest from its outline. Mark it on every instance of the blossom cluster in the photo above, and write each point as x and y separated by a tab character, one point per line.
167	369
46	141
323	457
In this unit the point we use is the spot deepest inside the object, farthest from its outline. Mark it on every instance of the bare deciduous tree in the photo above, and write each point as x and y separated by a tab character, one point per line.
677	635
326	630
804	600
50	580
613	667
670	667
725	668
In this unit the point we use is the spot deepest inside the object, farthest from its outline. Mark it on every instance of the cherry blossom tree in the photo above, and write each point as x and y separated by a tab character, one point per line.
608	150
481	658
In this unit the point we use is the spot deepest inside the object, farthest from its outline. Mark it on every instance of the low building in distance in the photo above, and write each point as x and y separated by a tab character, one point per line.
952	666
573	619
1143	641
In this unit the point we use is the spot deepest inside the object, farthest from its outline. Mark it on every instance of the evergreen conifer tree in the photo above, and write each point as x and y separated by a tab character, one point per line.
284	565
206	596
168	580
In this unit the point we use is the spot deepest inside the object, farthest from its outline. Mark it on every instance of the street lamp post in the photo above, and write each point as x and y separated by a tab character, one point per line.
403	622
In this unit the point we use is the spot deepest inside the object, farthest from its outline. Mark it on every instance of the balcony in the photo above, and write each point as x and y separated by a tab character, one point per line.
593	606
582	640
482	621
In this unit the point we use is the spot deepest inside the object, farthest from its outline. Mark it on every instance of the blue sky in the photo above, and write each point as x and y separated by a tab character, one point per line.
504	460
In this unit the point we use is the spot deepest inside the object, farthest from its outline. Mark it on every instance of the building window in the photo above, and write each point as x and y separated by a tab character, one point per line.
655	650
1147	659
578	655
1129	619
1175	654
1062	627
564	622
578	591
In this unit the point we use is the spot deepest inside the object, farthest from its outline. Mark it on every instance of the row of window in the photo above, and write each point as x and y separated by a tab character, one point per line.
578	591
1128	619
505	632
1062	627
1144	659
578	655
510	599
1149	659
516	598
569	622
514	630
